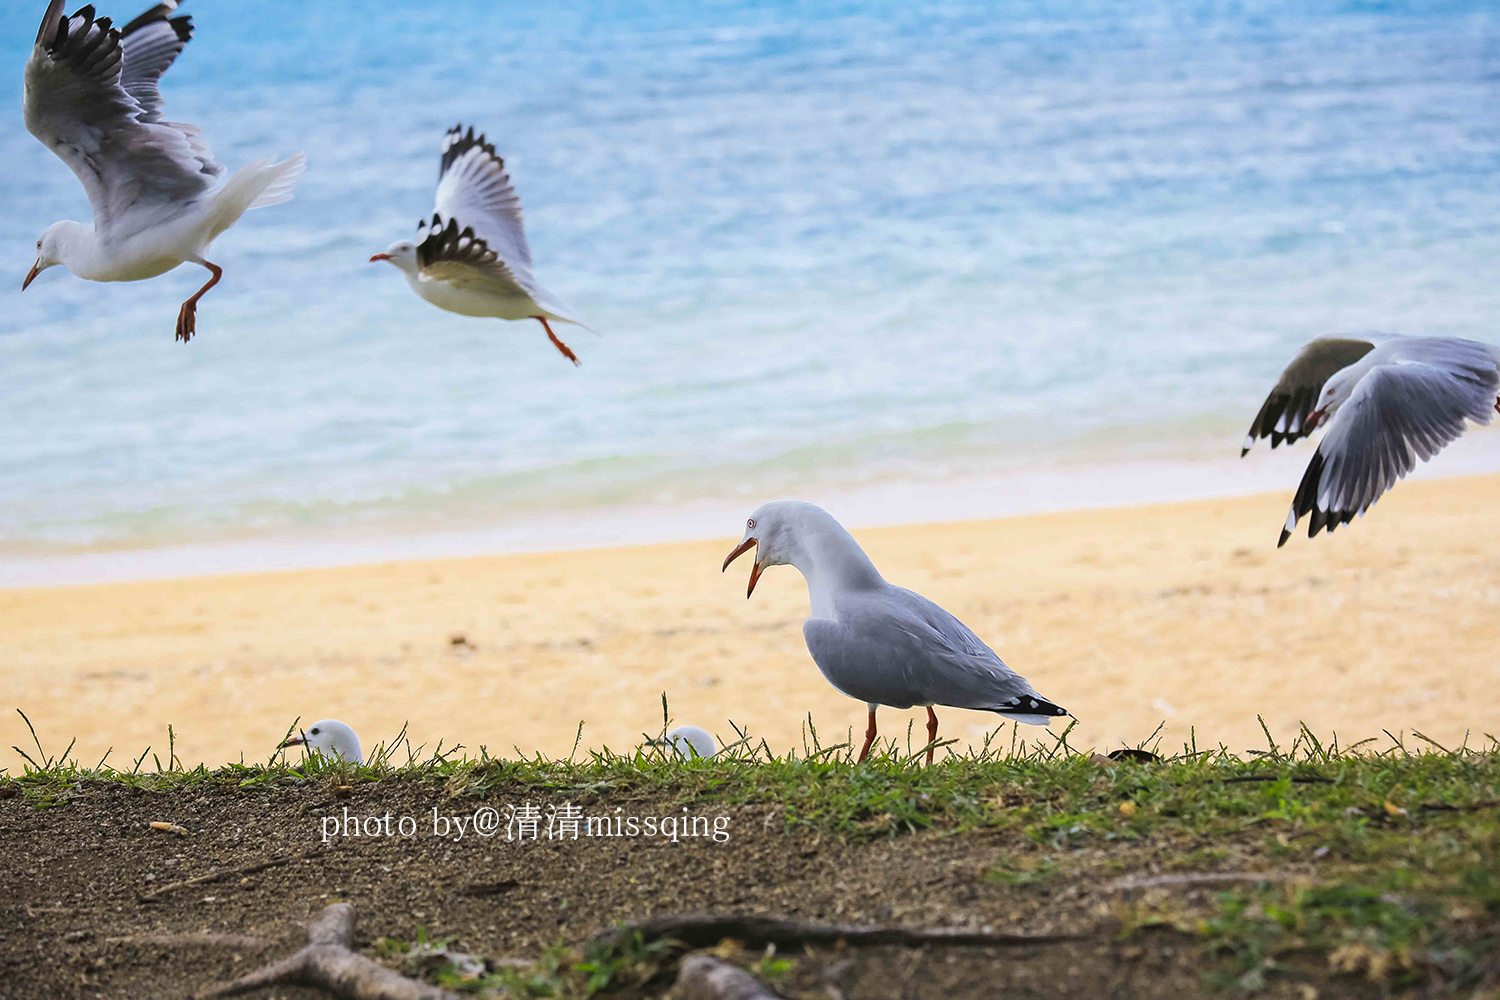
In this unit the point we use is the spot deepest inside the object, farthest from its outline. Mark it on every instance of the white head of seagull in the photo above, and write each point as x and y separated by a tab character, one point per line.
402	254
876	642
690	740
331	738
804	535
60	243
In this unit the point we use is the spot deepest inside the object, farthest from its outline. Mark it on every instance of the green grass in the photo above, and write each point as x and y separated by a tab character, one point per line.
1394	845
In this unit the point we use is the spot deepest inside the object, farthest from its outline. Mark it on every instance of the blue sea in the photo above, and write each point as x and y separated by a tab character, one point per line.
933	258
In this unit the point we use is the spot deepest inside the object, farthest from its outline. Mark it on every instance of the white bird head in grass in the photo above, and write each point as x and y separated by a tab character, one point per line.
331	738
690	741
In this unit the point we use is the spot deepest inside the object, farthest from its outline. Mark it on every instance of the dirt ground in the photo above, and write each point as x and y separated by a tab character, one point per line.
74	875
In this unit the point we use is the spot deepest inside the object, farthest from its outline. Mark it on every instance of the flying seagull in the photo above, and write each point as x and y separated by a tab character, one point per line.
159	196
1386	403
471	257
876	642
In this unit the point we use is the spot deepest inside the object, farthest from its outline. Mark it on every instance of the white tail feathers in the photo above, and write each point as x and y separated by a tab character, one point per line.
283	178
255	185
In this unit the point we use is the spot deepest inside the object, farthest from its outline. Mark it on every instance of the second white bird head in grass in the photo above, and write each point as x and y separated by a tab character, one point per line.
689	741
331	738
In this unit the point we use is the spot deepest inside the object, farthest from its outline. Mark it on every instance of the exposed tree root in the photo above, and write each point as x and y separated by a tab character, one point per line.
704	977
705	930
219	874
330	963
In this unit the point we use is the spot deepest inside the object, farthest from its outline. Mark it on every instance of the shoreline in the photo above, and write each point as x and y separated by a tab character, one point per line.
1128	616
1073	483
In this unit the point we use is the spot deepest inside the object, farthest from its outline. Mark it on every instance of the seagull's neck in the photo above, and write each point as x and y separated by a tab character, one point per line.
832	562
76	247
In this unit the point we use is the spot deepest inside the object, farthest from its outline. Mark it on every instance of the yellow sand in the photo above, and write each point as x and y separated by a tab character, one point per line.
1182	613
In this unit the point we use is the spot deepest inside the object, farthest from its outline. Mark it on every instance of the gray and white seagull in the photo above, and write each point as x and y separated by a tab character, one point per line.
471	257
876	642
158	195
1387	402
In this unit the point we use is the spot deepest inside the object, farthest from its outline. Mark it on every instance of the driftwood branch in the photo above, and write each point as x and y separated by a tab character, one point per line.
330	963
753	931
219	874
704	977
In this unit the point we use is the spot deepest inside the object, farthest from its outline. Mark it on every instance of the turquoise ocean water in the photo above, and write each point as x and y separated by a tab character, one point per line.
953	259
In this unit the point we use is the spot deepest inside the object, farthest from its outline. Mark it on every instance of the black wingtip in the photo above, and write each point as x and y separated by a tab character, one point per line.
50	21
161	12
1284	536
1244	452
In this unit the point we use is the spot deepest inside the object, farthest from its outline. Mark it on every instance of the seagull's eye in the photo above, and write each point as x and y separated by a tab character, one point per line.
750	523
313	731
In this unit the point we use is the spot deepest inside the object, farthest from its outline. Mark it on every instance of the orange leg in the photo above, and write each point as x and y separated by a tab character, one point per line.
864	751
931	734
567	351
187	316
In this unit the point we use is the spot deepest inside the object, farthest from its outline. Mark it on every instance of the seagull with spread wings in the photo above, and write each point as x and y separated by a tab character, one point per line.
471	257
159	196
1386	403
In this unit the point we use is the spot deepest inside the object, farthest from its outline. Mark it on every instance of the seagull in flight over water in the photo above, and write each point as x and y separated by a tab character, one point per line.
1387	401
159	196
471	257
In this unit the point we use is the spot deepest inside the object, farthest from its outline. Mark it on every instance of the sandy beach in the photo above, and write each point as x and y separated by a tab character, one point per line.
1182	614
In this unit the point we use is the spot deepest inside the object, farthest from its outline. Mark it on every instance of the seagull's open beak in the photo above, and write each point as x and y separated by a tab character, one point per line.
1314	418
293	741
740	550
380	256
36	269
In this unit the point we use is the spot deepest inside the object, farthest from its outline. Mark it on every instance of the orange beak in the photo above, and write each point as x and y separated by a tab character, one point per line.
293	741
36	269
1314	418
380	256
740	550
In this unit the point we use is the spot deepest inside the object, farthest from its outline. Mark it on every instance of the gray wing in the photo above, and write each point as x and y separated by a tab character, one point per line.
1283	416
460	257
77	105
895	647
1402	411
150	44
474	188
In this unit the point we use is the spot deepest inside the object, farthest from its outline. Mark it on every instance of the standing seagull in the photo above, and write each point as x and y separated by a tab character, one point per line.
882	644
1386	404
471	258
92	98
